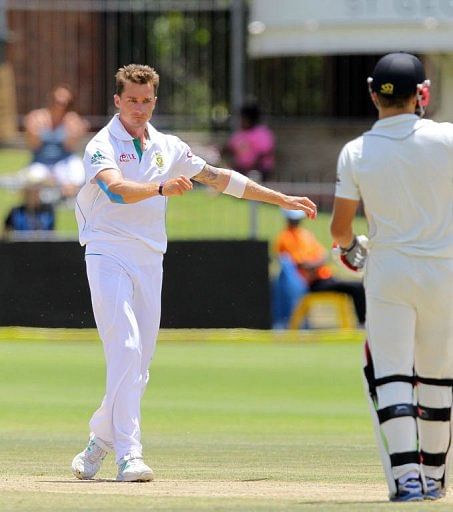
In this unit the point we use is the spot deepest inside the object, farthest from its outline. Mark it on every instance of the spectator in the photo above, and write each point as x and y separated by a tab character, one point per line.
303	269
252	148
32	214
53	135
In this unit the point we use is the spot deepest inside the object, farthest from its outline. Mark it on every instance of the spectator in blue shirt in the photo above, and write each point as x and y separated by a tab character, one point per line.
33	214
53	135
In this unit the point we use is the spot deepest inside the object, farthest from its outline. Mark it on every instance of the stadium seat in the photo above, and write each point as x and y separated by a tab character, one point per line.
339	302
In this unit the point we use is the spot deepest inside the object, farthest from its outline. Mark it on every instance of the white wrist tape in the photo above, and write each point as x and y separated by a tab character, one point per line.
236	185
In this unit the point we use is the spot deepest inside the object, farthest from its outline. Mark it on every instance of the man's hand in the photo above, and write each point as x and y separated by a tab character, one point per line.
176	186
75	126
300	203
354	256
37	121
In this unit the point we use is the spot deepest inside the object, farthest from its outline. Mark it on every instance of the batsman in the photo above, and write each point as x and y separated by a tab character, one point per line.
131	170
402	170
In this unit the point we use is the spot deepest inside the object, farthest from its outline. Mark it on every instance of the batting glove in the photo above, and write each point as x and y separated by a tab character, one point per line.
354	256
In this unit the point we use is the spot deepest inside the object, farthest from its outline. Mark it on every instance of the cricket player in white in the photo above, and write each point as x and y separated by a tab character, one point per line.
402	169
131	169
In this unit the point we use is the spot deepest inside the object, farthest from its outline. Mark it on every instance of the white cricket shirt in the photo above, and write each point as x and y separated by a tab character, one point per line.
164	157
403	171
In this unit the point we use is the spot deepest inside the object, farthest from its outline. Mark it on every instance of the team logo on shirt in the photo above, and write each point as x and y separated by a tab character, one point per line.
159	161
97	157
127	157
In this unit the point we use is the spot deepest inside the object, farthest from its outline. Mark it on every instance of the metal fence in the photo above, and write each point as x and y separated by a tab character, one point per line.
197	46
329	87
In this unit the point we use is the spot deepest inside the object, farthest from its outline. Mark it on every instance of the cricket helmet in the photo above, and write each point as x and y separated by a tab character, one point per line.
400	74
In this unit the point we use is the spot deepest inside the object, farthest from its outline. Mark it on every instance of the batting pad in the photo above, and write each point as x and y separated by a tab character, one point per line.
435	426
393	413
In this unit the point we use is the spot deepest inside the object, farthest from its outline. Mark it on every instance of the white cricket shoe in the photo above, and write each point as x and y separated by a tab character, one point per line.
133	469
410	490
434	490
87	463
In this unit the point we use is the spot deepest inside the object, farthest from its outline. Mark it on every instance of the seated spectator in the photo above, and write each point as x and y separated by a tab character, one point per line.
252	148
32	214
53	135
303	269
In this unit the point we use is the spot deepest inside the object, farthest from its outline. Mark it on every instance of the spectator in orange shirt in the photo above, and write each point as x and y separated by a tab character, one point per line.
304	259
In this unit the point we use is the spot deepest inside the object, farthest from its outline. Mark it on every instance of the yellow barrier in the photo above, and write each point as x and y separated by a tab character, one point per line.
341	303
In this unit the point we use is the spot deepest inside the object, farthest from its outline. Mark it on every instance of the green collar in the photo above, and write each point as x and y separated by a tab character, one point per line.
138	148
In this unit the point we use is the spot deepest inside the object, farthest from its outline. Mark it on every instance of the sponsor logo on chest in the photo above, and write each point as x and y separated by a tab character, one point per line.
127	157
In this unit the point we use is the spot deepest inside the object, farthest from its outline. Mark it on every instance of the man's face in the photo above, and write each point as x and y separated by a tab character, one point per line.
32	196
61	99
136	104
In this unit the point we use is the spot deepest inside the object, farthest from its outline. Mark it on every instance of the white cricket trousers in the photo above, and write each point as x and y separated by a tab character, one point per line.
410	314
410	333
125	281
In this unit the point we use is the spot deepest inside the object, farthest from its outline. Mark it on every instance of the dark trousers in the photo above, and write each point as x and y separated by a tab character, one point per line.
352	288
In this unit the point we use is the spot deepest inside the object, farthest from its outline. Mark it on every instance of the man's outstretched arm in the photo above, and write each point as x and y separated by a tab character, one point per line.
232	183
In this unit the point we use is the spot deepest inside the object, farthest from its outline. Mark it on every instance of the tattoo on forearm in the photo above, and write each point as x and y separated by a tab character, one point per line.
208	176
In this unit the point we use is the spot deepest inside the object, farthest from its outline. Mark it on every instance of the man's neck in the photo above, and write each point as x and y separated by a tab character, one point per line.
393	111
137	133
56	116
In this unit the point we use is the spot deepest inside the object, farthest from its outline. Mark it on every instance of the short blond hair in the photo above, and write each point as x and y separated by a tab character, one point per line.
137	74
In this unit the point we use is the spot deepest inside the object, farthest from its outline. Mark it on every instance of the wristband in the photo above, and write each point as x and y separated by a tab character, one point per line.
161	188
236	185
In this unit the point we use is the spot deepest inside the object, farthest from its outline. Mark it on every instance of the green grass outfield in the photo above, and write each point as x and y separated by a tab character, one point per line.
232	421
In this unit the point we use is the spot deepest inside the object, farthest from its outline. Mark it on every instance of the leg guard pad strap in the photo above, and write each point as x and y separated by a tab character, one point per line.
399	459
396	411
433	459
434	382
394	378
434	414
